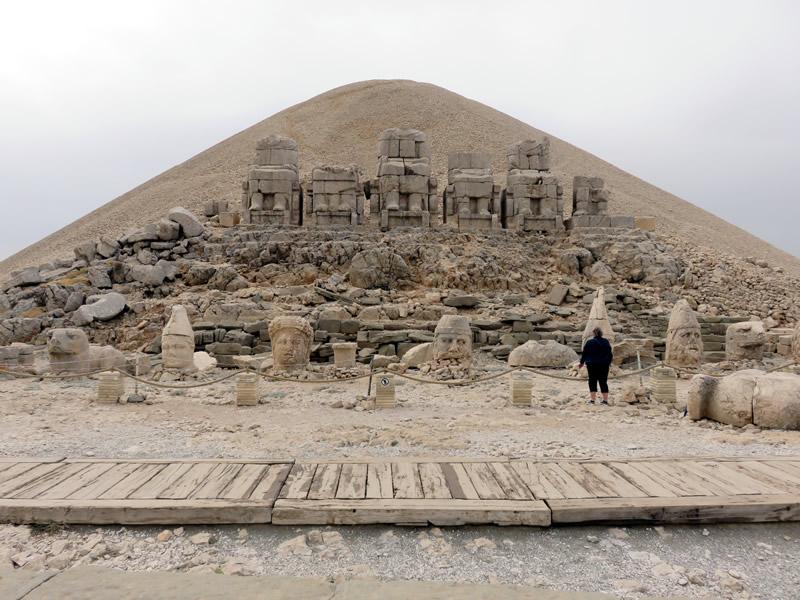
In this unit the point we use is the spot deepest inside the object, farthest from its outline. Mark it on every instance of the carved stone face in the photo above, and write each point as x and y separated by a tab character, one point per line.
452	339
291	343
684	339
177	340
177	351
68	341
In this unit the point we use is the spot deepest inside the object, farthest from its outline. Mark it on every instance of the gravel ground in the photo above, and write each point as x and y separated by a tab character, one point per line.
736	561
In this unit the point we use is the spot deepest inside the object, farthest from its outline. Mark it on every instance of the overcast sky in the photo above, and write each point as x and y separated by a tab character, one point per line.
701	98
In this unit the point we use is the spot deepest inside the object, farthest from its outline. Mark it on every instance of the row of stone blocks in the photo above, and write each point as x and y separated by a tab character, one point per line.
404	193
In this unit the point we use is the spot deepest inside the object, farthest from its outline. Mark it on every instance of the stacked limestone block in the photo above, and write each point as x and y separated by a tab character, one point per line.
404	193
335	197
533	198
471	199
590	205
271	194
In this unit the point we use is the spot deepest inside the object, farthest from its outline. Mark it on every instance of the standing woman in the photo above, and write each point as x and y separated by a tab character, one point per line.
597	357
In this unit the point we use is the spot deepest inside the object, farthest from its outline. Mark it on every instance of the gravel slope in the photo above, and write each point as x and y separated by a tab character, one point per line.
342	126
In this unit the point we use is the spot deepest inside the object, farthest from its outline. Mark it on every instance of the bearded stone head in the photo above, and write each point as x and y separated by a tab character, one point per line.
67	341
291	342
684	339
452	339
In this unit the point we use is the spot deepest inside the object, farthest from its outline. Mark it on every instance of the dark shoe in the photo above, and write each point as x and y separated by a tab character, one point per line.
604	402
590	402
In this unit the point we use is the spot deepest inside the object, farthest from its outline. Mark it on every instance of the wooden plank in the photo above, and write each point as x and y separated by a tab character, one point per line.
325	482
379	481
589	481
27	477
267	489
614	481
687	509
165	478
217	481
534	478
70	485
563	481
434	483
402	511
652	487
511	483
16	469
375	460
677	482
352	481
144	461
133	512
769	474
29	459
188	482
741	482
712	481
299	480
44	483
458	482
406	481
137	478
114	475
244	483
485	484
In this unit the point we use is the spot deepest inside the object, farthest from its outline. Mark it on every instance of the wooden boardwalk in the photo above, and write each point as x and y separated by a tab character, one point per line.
440	491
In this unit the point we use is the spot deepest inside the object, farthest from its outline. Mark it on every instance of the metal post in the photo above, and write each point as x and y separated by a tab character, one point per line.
369	381
639	367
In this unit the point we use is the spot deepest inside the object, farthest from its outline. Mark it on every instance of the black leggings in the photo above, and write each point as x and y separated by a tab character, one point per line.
598	373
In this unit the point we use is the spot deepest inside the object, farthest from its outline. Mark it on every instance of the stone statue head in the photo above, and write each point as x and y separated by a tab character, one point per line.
684	340
291	342
452	339
177	340
68	350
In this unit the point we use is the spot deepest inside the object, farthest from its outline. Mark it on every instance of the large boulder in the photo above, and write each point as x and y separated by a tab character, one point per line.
418	355
28	276
745	341
377	268
190	224
545	353
101	307
19	329
625	351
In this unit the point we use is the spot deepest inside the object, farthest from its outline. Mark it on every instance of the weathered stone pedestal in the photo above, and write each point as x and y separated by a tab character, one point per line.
663	385
248	389
110	388
335	198
471	200
344	355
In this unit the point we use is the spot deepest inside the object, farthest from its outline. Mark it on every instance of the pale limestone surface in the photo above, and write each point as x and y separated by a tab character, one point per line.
344	355
767	400
533	198
335	197
726	400
177	340
589	196
69	351
404	193
471	199
291	342
745	341
271	194
544	353
598	317
796	344
684	339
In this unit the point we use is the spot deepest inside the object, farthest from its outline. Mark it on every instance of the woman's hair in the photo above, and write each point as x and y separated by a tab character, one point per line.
597	332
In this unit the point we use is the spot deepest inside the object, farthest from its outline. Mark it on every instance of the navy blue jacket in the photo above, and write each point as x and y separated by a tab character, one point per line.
597	351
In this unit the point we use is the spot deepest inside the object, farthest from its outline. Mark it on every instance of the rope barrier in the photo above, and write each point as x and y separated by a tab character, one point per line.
423	380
